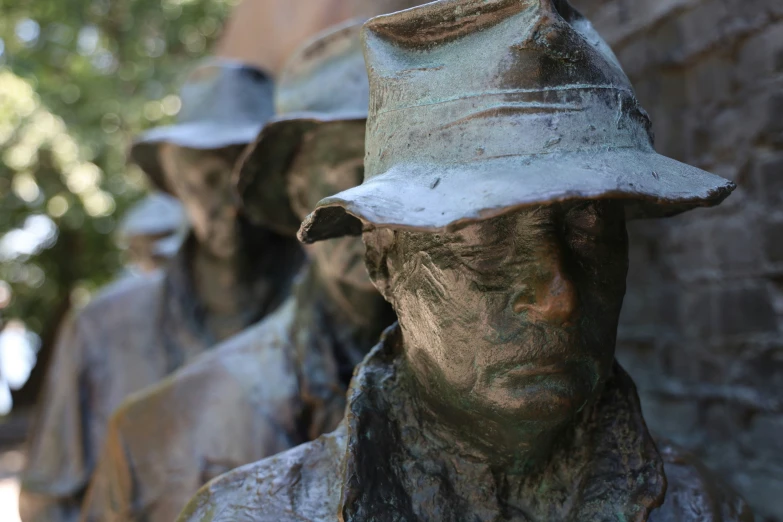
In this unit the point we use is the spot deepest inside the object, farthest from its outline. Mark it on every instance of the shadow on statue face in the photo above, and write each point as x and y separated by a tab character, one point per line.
201	180
328	162
513	318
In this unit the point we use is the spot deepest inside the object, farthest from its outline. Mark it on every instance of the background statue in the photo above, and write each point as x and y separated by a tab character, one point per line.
505	151
283	381
152	231
227	275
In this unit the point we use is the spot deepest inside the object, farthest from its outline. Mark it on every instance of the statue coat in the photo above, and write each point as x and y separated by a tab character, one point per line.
278	384
131	336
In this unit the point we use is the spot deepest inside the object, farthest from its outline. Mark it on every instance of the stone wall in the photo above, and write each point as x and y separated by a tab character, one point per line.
701	331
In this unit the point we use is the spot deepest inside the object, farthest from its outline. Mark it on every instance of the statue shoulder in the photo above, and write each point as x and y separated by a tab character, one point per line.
299	485
125	304
695	493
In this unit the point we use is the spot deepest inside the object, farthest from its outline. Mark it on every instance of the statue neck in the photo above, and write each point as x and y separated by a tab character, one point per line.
221	287
350	319
236	291
482	442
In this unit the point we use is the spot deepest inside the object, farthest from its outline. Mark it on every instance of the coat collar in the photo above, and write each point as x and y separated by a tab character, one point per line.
327	346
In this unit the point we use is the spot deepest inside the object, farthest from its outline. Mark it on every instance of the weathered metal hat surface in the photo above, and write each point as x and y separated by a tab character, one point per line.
480	107
323	89
224	103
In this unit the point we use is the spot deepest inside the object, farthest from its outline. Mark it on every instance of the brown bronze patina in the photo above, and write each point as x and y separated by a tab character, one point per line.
227	275
281	382
505	151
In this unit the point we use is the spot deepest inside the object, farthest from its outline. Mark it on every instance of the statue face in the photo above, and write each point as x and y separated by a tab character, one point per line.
202	182
328	162
514	317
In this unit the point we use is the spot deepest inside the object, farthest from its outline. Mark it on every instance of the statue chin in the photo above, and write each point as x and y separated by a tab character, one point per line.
545	394
221	247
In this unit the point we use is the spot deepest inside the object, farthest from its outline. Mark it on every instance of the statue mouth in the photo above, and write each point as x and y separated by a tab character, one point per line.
530	371
534	372
544	389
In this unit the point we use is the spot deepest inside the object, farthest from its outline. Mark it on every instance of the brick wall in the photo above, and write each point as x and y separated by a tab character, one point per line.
701	330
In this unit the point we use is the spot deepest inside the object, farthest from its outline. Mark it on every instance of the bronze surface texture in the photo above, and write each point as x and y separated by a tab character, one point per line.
505	153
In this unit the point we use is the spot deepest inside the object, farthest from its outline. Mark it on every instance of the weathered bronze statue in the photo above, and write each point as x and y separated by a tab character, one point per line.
282	382
152	231
505	150
227	275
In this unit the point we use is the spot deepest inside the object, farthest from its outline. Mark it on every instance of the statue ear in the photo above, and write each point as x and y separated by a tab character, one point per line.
378	244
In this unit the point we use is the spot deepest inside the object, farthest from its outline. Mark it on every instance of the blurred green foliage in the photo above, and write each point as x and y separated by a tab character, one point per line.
78	79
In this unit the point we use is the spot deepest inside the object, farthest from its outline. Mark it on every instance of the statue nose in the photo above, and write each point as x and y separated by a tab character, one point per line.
552	299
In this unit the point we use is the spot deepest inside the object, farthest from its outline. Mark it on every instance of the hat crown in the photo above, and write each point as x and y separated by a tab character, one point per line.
326	75
226	92
461	80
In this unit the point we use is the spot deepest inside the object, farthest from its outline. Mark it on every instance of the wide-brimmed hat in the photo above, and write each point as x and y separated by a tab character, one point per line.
322	88
158	214
224	104
481	107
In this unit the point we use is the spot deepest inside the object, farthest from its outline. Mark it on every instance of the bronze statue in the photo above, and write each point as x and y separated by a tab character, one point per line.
227	275
152	231
281	382
505	149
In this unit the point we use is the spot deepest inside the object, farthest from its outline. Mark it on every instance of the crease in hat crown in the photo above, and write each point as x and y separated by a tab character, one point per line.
323	86
480	107
224	103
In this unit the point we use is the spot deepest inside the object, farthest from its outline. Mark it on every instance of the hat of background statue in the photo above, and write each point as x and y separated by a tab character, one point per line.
368	8
481	107
224	104
322	90
266	33
156	215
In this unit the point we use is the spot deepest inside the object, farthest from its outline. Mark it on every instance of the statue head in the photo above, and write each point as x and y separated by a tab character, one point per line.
505	151
152	230
224	105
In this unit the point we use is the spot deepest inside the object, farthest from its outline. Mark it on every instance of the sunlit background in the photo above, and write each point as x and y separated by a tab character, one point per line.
78	79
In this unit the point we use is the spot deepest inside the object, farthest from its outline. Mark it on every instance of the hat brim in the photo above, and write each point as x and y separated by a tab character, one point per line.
261	174
430	197
197	136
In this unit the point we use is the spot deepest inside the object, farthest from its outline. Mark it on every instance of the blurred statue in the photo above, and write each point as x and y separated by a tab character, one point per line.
152	231
227	275
282	382
505	148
